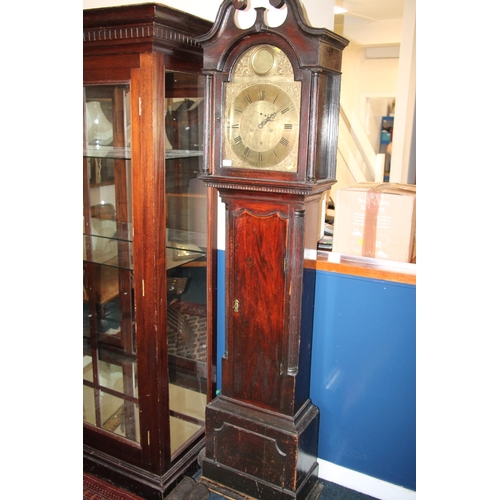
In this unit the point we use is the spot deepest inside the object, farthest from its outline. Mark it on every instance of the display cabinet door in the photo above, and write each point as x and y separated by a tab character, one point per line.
110	396
111	400
186	198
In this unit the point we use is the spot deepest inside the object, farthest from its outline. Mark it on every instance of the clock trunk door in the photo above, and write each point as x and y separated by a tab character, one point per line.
257	306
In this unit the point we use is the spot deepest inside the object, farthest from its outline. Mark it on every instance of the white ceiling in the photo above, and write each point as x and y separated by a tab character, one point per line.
371	10
371	23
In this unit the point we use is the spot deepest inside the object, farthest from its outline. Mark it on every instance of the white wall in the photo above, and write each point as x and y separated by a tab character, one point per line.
319	12
367	33
363	77
206	9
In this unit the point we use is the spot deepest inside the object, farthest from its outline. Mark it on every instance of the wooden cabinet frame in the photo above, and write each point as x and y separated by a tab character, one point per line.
136	45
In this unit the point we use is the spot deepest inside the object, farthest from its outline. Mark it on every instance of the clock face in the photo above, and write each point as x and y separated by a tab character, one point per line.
262	112
262	125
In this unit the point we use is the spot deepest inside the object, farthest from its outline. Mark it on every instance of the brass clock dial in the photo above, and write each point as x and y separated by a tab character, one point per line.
262	112
262	125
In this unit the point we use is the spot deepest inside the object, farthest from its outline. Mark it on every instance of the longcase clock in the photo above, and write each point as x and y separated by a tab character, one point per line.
272	105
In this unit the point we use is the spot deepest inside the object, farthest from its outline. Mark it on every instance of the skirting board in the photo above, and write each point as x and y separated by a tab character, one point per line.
361	482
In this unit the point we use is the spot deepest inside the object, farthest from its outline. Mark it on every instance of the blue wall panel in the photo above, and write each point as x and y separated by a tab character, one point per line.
221	315
364	375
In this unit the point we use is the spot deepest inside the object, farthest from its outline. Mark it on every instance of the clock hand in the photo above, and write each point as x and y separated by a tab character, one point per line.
272	116
268	119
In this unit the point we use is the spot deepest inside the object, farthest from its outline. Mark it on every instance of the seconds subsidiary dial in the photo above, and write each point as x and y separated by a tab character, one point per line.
262	113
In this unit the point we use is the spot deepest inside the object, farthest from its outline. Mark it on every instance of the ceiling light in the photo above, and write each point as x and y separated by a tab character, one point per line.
339	10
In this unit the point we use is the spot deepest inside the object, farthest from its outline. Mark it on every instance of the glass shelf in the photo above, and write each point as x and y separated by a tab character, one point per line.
182	247
117	153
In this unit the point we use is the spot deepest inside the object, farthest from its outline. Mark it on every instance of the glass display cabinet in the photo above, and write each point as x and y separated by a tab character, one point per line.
148	247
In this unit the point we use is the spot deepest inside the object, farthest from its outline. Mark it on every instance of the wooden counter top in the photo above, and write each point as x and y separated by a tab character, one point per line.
364	269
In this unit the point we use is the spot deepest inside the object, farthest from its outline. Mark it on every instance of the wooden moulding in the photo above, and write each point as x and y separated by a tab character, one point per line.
142	27
361	270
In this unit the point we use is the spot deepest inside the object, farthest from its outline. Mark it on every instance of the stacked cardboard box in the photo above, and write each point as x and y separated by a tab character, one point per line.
376	220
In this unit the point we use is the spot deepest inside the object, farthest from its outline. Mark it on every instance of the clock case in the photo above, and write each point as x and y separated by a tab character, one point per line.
315	54
262	429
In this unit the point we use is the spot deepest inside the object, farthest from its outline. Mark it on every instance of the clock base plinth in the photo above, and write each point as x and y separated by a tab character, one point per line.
219	489
252	453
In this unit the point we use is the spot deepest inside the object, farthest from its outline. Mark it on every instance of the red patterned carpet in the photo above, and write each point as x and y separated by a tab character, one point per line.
96	489
187	332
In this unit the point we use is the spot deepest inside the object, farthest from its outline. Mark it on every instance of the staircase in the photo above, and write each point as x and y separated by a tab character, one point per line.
356	159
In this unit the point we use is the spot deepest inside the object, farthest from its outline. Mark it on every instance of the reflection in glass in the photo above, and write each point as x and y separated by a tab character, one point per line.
110	384
186	257
99	128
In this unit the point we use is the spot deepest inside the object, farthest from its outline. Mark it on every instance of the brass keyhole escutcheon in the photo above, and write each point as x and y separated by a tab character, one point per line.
236	306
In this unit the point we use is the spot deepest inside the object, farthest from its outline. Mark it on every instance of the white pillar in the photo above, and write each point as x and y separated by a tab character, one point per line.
403	141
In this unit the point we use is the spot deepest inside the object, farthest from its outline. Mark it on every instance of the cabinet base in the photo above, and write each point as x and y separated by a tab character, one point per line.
137	480
221	490
252	453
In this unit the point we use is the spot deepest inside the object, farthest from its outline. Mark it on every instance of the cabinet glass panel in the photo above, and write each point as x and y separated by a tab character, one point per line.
186	256
110	398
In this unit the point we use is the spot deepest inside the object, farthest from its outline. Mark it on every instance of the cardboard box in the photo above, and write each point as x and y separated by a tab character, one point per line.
376	220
